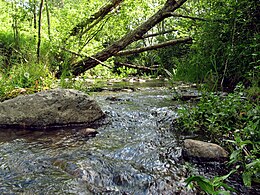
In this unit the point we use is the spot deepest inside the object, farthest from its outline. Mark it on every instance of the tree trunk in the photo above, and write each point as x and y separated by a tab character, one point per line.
39	30
48	18
32	4
153	47
137	34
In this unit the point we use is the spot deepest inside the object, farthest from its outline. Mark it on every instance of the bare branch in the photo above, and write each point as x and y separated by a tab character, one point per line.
97	17
93	35
184	16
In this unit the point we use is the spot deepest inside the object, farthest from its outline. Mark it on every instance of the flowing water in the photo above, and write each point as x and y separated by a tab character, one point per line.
135	152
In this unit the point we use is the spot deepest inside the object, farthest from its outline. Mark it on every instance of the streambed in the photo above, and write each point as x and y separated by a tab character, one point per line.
135	151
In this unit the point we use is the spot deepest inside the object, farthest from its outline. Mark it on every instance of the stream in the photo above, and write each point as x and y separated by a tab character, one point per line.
135	151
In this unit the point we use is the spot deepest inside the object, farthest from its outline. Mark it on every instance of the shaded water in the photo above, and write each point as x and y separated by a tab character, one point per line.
134	152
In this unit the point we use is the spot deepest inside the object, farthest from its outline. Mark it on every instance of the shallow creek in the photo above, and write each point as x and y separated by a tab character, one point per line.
135	151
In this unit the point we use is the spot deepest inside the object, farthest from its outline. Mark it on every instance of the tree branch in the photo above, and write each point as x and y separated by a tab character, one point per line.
153	47
93	35
98	16
184	16
156	34
85	56
48	18
143	68
39	31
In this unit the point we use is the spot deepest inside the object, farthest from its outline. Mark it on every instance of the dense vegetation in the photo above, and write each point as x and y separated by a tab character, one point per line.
225	48
232	121
218	45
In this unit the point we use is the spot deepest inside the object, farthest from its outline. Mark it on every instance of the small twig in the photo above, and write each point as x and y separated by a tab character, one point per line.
246	151
143	68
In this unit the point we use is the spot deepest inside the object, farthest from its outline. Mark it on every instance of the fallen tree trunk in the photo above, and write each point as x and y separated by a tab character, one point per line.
137	34
143	68
153	47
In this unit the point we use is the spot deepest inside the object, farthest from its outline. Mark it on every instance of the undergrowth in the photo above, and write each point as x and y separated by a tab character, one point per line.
232	121
25	79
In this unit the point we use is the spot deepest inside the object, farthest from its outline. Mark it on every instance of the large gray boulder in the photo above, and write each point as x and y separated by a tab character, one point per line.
52	108
203	150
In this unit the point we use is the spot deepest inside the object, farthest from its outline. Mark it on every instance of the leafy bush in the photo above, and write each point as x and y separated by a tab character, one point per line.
246	158
221	117
233	119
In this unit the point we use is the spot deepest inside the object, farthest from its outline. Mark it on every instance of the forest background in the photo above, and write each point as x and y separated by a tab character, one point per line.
47	39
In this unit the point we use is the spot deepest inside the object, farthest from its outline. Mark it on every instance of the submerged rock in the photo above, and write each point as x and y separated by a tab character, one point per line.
203	150
58	107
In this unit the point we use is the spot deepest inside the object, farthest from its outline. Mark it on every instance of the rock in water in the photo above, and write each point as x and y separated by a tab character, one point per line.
88	132
203	150
57	107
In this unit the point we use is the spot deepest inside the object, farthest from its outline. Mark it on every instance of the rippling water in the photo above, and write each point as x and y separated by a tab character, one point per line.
134	152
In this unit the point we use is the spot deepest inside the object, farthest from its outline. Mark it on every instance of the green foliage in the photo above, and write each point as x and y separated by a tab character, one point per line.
226	46
125	71
246	155
233	119
222	116
211	186
25	78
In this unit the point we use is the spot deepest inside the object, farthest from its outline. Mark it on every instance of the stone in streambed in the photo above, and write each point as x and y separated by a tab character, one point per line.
194	149
87	132
52	108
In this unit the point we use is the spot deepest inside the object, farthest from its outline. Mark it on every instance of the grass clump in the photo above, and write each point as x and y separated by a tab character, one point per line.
25	79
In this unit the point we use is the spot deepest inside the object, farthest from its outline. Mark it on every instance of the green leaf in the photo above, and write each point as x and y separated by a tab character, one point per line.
221	178
234	156
246	142
253	164
203	183
206	186
227	187
222	192
247	178
194	178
